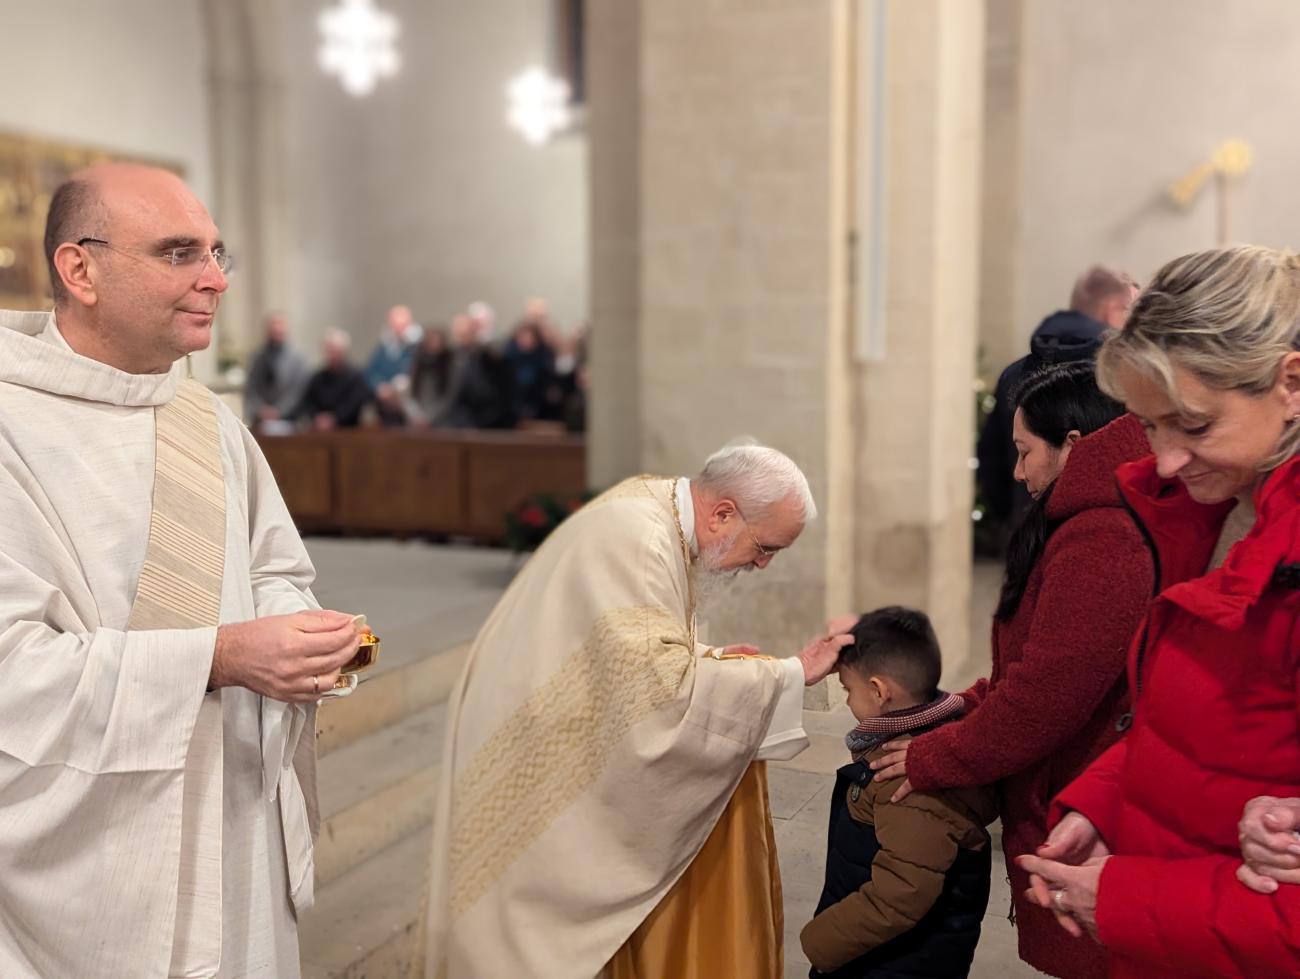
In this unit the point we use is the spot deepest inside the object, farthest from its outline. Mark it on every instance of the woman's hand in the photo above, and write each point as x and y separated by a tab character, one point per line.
1069	892
1270	845
1074	840
893	765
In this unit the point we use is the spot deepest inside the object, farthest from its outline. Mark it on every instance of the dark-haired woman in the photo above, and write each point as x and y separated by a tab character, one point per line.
1078	579
432	394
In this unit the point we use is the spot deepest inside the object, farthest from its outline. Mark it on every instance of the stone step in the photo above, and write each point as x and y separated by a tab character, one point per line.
394	689
377	790
365	924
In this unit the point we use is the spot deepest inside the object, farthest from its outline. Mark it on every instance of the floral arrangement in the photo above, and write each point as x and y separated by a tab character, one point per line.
532	521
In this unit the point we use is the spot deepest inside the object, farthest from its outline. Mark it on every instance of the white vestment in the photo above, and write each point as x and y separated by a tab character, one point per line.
97	876
591	748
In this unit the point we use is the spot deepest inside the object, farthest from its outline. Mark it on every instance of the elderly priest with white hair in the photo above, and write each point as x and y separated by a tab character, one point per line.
603	808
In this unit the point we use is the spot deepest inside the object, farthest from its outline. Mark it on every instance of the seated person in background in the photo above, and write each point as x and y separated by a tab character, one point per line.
277	376
482	381
575	402
907	882
562	384
531	364
337	392
391	402
429	398
393	353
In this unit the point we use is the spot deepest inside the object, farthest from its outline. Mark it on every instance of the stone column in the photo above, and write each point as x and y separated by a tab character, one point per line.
915	408
730	162
250	193
740	233
614	111
1001	335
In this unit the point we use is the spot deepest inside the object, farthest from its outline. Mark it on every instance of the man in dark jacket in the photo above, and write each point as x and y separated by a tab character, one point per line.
338	391
1101	301
277	376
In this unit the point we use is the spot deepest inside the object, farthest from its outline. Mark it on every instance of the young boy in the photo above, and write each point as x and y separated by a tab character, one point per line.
907	882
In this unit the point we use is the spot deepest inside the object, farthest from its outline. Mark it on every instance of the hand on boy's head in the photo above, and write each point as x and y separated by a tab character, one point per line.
820	656
841	625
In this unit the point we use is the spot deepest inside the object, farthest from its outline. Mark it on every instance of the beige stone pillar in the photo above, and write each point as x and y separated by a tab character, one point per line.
742	223
914	408
732	164
614	112
1001	334
251	194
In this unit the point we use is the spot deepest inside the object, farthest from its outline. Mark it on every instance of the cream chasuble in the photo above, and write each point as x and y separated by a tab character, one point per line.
592	749
147	828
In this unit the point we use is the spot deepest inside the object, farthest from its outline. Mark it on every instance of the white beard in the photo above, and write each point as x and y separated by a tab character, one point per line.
707	581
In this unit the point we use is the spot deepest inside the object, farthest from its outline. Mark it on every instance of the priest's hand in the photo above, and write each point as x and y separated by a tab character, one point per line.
285	657
820	656
739	651
841	624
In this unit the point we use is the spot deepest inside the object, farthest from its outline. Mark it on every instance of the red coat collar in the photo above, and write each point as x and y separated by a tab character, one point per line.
1184	532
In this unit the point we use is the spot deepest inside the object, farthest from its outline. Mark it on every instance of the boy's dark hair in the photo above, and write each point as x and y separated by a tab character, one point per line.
898	643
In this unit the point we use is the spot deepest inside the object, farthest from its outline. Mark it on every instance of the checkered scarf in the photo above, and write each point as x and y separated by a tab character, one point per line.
875	731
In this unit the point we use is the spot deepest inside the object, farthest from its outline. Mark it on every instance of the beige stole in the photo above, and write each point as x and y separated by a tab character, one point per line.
180	588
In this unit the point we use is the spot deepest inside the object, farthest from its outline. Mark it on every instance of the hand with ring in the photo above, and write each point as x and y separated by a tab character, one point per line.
1069	892
285	657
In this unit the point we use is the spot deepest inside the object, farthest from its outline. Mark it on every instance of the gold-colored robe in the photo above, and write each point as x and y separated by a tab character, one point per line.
723	917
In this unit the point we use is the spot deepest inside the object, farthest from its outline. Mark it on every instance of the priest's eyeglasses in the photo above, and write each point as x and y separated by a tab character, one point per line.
763	550
180	256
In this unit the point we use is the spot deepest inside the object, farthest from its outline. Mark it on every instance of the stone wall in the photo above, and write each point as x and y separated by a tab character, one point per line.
1120	99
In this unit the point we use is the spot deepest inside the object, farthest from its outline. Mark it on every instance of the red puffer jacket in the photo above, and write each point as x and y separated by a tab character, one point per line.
1215	673
1057	692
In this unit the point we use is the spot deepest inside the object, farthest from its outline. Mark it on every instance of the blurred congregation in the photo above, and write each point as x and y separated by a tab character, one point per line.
963	334
435	376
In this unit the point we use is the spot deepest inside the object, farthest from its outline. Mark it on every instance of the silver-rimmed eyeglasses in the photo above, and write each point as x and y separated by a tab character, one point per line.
180	256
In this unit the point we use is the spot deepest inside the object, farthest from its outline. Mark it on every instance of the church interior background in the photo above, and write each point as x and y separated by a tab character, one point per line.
827	224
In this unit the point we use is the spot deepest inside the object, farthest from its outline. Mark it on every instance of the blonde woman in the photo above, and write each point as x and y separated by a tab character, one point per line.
1145	851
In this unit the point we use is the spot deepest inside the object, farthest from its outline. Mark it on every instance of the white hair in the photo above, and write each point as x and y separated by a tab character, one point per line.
757	478
338	338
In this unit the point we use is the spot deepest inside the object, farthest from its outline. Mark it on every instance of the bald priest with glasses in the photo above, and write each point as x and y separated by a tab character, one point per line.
160	650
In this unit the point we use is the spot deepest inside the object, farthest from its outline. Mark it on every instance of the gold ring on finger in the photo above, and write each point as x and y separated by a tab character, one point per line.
315	685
